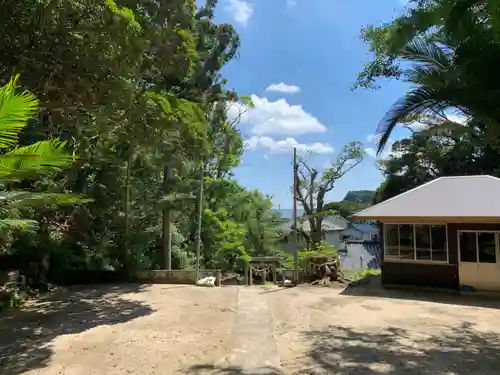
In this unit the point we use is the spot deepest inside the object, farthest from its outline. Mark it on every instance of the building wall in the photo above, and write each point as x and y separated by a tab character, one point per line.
354	234
334	239
358	235
424	275
428	274
413	273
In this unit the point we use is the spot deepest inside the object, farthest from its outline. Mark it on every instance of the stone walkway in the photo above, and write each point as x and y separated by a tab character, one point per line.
254	348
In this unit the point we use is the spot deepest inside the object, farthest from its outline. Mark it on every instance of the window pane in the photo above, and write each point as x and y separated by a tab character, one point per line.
406	245
438	239
486	247
468	247
391	241
422	242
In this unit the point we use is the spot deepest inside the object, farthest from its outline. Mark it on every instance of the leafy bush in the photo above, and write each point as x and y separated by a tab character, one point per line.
355	275
305	255
11	298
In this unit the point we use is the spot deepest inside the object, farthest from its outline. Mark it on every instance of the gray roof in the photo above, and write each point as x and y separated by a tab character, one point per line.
370	228
460	196
327	225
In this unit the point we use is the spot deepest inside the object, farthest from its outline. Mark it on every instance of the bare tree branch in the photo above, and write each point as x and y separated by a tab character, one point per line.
312	186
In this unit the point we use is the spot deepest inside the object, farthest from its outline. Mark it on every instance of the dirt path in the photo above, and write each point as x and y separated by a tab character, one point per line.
124	329
254	347
172	329
323	331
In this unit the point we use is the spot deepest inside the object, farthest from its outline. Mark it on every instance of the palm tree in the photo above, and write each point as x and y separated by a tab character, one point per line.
456	72
41	159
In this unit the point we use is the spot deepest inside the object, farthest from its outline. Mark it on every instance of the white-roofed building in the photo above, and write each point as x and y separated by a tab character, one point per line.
445	233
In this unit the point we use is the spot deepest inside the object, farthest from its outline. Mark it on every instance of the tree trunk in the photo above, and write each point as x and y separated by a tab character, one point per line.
167	221
126	209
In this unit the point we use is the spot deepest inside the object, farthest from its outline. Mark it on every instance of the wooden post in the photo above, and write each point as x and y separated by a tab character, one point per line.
245	275
275	278
250	276
218	277
294	215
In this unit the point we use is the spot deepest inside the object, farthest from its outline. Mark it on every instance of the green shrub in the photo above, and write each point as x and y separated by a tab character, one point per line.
305	255
12	298
357	274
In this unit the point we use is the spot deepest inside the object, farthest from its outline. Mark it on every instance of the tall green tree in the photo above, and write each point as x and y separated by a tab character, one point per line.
448	46
135	88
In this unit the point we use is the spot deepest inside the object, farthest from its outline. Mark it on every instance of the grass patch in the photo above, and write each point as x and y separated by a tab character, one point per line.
358	274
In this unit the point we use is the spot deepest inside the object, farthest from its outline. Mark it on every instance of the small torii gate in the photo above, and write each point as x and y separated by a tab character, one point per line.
261	265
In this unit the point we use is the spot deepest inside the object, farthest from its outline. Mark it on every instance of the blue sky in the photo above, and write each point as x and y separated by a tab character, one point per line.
306	53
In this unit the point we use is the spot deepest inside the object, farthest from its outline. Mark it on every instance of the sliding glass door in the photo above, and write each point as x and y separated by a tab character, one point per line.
479	254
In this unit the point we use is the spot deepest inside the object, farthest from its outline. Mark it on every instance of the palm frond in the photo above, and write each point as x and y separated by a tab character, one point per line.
421	51
428	75
18	225
415	103
20	199
15	111
39	159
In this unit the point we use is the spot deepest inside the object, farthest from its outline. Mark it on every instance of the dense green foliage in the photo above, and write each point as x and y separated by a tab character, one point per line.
345	208
134	88
446	50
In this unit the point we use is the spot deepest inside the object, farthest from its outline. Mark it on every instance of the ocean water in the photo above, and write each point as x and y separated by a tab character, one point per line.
287	213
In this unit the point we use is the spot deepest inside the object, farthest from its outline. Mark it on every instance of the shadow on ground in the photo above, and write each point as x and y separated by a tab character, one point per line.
220	370
374	288
458	350
26	335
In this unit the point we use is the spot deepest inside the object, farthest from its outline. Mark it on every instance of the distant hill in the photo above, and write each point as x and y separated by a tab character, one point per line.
354	201
345	208
360	196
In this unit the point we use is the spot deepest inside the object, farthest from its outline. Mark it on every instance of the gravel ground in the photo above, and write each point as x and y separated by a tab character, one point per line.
126	329
169	329
324	331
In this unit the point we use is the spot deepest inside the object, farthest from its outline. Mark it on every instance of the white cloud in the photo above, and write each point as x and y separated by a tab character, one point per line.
240	10
235	110
372	151
417	126
386	152
284	88
278	118
287	145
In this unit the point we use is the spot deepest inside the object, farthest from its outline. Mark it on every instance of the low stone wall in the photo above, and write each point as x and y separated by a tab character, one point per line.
175	276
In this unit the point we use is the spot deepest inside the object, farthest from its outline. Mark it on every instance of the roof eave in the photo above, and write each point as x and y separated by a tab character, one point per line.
430	219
